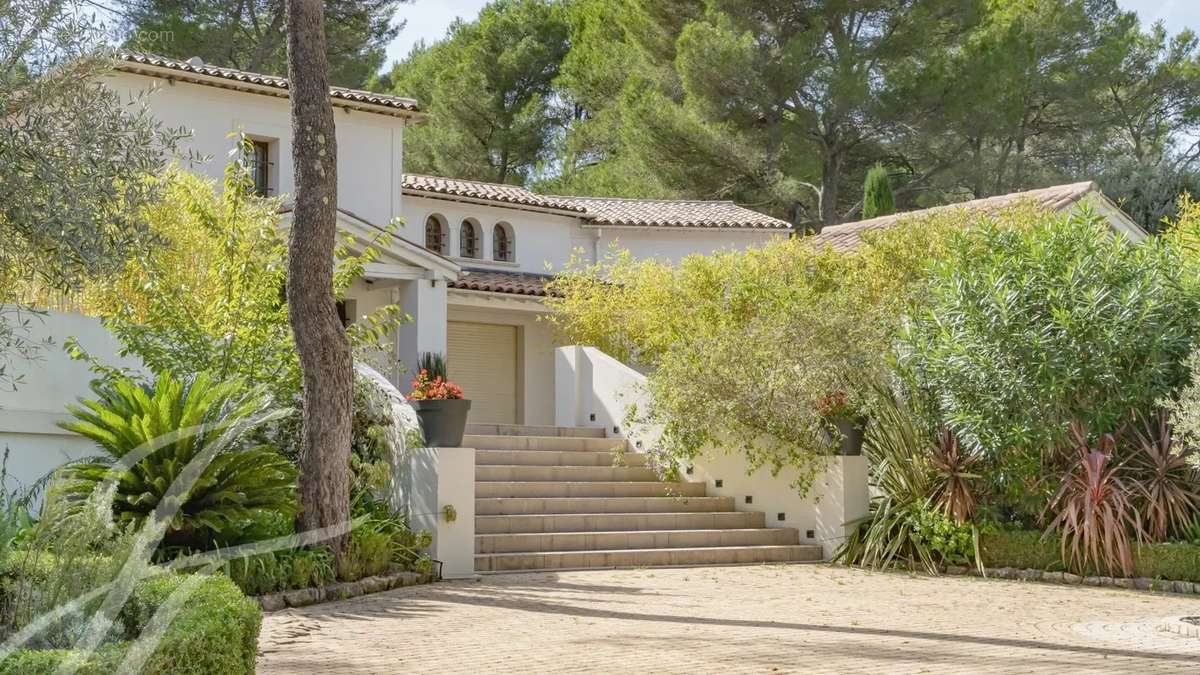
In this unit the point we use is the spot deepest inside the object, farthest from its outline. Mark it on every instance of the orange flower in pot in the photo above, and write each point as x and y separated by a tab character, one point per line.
441	408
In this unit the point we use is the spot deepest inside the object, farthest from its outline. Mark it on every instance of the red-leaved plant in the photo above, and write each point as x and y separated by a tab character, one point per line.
1165	479
953	463
425	388
1094	510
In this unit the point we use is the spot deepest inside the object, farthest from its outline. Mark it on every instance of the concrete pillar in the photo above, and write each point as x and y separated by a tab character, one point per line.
425	301
568	394
441	486
844	498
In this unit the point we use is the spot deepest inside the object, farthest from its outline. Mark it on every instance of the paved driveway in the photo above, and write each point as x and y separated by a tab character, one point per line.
771	619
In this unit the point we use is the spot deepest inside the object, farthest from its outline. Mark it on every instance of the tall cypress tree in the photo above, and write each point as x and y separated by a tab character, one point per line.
877	194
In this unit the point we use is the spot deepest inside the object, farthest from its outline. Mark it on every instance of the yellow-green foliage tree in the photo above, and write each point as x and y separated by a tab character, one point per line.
757	351
209	296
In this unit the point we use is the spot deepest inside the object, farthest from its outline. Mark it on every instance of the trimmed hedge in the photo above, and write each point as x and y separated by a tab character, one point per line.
1025	549
215	631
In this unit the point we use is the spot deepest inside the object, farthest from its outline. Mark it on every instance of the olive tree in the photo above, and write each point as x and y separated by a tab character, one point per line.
72	157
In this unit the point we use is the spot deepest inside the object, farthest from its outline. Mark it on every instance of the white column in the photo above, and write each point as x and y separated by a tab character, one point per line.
844	499
567	387
425	301
441	499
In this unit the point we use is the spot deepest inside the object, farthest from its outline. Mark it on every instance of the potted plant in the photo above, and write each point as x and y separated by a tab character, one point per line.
850	425
439	404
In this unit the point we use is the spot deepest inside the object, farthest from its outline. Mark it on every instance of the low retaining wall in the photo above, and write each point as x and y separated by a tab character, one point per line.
343	590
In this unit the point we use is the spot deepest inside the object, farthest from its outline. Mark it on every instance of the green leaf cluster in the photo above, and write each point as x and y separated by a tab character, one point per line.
178	420
1029	328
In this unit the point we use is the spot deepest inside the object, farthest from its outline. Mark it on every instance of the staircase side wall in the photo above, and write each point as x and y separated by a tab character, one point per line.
595	390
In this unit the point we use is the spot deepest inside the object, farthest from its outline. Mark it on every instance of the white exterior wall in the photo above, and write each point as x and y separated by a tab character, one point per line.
28	416
369	145
544	241
673	244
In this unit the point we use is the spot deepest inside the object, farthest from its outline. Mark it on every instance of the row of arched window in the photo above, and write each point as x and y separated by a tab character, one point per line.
470	239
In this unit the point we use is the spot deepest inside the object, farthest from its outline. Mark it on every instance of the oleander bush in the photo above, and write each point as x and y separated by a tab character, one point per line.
1027	329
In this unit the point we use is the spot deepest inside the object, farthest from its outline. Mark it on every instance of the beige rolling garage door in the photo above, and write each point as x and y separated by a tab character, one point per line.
482	360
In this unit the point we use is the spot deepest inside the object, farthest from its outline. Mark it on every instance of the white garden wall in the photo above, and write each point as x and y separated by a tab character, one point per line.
595	390
28	415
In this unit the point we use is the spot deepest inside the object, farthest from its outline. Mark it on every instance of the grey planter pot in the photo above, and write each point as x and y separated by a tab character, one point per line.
852	431
443	421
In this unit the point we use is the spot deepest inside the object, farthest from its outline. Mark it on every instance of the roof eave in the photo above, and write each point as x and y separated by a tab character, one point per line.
491	202
174	75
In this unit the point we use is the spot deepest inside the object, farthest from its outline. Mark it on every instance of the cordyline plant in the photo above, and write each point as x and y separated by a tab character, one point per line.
923	497
954	466
1094	512
1165	476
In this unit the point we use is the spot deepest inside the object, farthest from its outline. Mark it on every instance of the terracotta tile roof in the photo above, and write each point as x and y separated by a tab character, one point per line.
846	236
494	192
516	283
196	71
601	211
674	213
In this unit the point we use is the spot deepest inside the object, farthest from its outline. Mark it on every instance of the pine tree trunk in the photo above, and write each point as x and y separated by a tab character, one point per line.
325	359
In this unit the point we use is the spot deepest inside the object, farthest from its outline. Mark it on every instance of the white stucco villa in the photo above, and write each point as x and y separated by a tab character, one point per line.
471	258
548	483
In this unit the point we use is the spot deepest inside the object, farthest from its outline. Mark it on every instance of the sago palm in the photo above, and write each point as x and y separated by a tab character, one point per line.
176	421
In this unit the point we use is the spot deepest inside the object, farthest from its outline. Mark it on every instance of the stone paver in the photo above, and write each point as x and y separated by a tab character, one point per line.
762	619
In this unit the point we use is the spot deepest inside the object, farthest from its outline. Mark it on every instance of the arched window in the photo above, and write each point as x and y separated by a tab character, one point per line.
503	246
468	239
435	234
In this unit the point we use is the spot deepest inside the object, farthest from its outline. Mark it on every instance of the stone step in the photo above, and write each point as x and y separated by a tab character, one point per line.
708	555
534	430
494	472
611	522
556	443
647	539
496	506
545	488
552	458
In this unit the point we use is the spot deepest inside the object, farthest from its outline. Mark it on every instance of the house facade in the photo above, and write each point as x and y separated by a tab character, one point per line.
471	259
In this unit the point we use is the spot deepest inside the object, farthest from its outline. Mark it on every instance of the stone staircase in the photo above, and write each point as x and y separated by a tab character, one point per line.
569	498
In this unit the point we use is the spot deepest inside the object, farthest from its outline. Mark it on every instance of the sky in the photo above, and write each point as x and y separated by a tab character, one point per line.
429	19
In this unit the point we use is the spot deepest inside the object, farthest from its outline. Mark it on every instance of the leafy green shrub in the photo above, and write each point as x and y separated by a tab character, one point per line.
1174	561
1027	549
269	572
182	418
1031	327
947	541
911	519
105	660
216	631
369	554
1022	549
